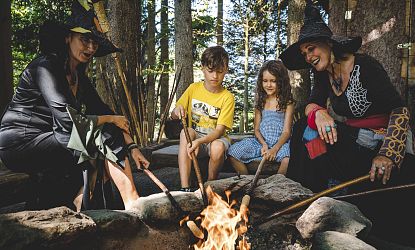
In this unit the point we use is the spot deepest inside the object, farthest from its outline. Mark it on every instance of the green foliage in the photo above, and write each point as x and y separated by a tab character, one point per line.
27	17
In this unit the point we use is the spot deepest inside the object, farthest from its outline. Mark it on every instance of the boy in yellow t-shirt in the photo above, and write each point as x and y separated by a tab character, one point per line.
209	108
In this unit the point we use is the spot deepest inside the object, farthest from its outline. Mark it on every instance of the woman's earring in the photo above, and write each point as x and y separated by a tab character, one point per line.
332	57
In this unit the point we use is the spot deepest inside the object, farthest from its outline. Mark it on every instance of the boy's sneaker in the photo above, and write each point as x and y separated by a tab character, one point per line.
187	189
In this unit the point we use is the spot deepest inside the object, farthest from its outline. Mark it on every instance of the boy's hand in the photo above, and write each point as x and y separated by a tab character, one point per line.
193	148
179	112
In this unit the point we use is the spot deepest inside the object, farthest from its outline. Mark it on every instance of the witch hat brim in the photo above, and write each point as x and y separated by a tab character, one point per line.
314	29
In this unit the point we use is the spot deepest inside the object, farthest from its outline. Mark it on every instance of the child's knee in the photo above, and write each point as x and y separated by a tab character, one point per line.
217	149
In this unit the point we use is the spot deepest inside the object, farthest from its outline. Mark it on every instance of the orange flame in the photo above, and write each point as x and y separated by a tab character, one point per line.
223	224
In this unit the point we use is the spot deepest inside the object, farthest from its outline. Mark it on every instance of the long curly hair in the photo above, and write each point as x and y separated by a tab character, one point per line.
284	95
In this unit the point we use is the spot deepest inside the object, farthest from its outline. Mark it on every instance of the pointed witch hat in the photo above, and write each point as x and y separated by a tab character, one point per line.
314	29
82	20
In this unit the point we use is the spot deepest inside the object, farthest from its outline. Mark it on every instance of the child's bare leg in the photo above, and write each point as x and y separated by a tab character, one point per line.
217	157
185	163
123	179
239	166
283	166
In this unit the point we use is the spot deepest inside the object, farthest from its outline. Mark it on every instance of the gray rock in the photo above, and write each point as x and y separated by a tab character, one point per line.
55	228
115	223
156	210
338	241
327	214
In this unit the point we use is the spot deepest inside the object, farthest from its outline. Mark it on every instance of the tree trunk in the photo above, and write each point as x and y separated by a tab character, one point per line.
164	55
6	67
124	18
151	61
246	73
381	24
219	24
183	47
299	79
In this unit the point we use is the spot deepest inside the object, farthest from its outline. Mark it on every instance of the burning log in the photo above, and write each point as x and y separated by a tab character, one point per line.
222	223
312	198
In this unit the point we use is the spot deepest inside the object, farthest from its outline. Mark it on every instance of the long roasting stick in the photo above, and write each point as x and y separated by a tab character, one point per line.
195	163
312	198
102	18
247	198
165	190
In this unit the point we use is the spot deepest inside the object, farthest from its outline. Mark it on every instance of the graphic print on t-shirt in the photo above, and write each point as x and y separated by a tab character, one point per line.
204	116
356	94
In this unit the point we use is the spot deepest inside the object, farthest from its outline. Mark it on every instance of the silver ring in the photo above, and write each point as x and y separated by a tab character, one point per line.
328	128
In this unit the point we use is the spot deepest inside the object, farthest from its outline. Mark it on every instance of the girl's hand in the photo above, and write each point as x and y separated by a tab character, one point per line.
139	159
381	168
193	148
264	149
121	122
271	154
326	127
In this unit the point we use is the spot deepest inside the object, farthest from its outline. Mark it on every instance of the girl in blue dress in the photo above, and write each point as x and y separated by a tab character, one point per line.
272	122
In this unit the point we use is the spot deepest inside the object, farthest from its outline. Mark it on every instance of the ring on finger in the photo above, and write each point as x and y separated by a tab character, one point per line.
328	128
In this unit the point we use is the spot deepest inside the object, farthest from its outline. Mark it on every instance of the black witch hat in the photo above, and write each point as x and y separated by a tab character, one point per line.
82	20
314	29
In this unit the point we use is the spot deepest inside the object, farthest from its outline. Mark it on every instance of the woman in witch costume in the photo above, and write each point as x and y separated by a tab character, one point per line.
374	136
57	125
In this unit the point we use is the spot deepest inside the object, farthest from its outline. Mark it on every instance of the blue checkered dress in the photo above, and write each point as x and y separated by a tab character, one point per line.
249	149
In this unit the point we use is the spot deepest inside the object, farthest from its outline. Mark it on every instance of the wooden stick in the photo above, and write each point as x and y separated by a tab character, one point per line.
165	190
163	118
195	163
374	191
247	197
102	18
312	198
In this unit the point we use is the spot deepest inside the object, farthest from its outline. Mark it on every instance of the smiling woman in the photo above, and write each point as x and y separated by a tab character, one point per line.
56	126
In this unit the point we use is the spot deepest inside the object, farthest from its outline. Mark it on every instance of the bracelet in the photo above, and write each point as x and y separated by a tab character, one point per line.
311	119
131	146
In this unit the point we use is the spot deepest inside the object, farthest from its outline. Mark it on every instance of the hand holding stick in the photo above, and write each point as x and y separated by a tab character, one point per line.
195	163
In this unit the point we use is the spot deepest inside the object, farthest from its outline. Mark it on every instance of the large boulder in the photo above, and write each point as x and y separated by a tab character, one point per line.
156	210
328	214
331	240
55	228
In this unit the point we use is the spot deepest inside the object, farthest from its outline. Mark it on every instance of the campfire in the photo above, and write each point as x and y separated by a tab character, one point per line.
221	225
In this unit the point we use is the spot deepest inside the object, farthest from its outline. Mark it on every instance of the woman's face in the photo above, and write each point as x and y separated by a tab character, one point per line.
317	54
81	47
269	83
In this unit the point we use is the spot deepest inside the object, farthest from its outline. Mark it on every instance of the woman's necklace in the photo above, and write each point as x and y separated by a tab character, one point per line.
336	81
73	83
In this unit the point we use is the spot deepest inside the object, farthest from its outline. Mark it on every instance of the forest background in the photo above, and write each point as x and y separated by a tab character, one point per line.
161	38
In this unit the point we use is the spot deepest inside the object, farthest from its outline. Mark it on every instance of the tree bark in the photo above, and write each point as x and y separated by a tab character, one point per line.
164	55
151	61
183	47
6	67
299	79
381	24
219	24
124	18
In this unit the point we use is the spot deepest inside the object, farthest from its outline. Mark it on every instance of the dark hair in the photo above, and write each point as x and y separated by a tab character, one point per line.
215	58
284	96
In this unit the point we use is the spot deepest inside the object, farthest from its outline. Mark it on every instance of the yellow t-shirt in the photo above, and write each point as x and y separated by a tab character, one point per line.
206	109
